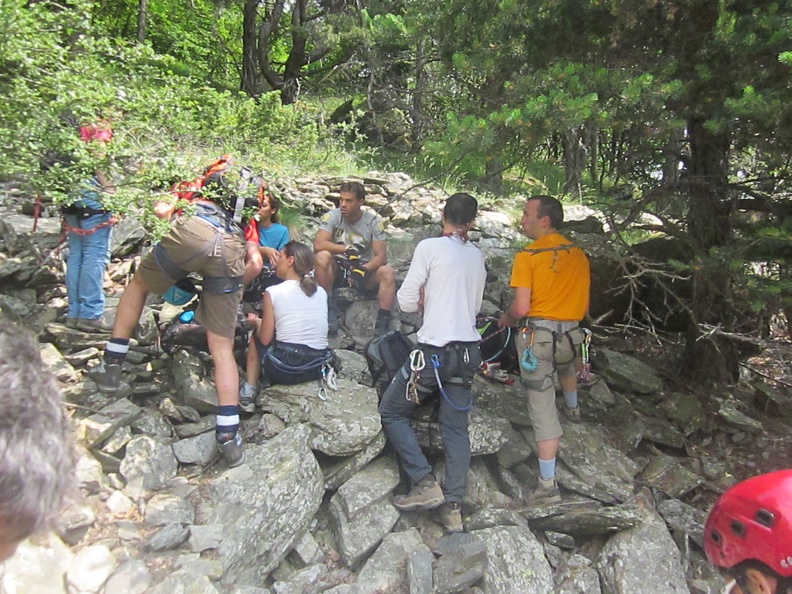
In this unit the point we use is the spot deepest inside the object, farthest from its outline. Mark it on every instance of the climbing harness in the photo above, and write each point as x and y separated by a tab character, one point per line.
214	247
528	360
328	379
92	230
417	363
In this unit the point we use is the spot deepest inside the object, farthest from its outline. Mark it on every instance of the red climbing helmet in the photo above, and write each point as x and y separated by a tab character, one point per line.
753	521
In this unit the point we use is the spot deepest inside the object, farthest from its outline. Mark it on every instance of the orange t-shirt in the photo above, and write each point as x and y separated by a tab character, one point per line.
559	279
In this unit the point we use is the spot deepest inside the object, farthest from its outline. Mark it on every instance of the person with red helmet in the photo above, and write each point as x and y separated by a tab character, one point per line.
749	533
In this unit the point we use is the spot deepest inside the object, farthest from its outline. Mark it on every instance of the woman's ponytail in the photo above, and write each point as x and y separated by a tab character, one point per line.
303	265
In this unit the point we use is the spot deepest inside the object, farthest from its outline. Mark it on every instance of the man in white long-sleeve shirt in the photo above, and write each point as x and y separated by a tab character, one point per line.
446	279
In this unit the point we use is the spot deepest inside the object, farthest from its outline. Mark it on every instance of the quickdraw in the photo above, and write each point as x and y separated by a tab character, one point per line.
585	372
417	363
328	379
528	360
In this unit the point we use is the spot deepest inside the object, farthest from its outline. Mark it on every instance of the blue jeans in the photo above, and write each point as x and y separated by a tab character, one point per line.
88	258
456	376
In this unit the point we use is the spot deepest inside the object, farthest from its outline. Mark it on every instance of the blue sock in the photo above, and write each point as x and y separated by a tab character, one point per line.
571	399
227	419
547	469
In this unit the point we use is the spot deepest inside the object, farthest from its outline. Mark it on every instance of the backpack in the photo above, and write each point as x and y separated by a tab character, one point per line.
497	345
184	332
234	189
191	190
385	355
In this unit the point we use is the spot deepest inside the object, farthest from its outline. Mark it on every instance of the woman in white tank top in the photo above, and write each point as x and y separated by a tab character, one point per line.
290	341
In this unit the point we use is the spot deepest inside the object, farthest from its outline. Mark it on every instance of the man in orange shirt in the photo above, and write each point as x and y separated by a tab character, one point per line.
551	280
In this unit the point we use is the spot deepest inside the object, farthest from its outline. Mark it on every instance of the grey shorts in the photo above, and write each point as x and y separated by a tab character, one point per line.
539	383
189	244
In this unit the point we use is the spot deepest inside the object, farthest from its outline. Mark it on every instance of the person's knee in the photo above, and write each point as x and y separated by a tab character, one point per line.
324	260
386	275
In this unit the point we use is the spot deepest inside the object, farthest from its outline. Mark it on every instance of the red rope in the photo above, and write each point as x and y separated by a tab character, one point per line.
36	212
77	231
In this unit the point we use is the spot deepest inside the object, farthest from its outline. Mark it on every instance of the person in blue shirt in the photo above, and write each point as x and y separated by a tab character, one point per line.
271	237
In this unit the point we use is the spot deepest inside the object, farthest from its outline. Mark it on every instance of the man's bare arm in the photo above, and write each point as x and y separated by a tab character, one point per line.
324	242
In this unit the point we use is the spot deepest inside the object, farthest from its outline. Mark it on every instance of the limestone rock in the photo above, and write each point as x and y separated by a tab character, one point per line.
516	562
265	505
343	424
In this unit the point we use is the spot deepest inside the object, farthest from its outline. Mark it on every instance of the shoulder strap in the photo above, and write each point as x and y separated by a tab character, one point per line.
567	247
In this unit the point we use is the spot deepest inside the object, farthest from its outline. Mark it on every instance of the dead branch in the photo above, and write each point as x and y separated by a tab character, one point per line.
708	331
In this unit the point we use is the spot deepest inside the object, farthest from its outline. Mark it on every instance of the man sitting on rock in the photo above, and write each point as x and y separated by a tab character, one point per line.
37	460
350	249
551	280
446	279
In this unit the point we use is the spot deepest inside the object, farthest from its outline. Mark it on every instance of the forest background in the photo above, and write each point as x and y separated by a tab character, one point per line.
678	108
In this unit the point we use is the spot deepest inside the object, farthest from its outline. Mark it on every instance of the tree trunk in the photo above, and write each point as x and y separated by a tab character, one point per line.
252	83
710	228
574	162
417	105
141	20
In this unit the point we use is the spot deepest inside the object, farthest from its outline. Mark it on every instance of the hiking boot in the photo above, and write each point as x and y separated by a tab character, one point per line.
71	322
450	516
332	316
572	414
546	493
247	398
231	447
586	380
425	494
97	325
107	377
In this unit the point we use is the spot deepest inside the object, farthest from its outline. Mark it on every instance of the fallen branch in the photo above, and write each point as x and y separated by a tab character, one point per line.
708	331
765	375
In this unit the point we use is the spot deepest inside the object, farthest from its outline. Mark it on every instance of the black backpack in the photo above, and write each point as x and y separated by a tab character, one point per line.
497	344
385	355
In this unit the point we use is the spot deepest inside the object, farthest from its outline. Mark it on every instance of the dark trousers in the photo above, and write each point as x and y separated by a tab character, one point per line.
456	375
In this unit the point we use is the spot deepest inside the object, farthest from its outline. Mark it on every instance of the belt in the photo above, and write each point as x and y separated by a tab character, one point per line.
558	326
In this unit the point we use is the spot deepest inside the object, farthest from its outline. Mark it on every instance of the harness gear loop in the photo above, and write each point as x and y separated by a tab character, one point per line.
436	367
528	359
417	363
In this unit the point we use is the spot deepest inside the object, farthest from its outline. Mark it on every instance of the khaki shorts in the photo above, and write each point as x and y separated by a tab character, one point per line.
190	245
539	383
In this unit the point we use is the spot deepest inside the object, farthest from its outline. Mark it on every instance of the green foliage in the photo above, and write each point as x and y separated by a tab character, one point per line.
166	126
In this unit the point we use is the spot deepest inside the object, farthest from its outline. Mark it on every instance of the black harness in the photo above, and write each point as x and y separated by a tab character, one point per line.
222	220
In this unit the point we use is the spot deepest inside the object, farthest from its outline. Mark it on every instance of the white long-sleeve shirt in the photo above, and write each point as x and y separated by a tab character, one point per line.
452	275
